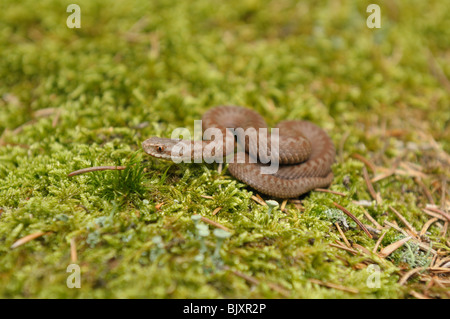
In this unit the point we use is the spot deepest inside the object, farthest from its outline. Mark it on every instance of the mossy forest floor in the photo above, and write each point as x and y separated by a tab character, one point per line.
77	98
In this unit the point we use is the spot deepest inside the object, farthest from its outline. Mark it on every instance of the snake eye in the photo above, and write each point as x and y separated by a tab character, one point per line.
160	148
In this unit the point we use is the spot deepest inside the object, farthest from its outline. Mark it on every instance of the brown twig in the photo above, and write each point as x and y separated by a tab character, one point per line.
427	225
368	163
362	248
424	189
342	235
213	223
386	251
216	210
73	250
437	210
432	214
379	242
354	252
406	276
372	220
283	205
418	295
259	201
388	173
333	286
444	230
256	282
330	191
361	225
421	245
94	169
369	185
28	238
404	221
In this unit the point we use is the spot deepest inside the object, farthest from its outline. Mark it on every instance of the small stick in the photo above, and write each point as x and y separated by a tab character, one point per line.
443	261
45	112
342	235
379	242
283	205
395	226
430	213
334	286
370	218
362	248
216	210
213	223
382	176
28	238
341	145
425	190
369	185
427	225
404	221
388	173
330	191
365	161
354	252
56	118
433	260
423	246
298	204
436	210
20	128
418	295
248	278
96	168
260	198
375	232
439	269
261	202
354	218
255	282
207	196
406	276
386	251
443	193
73	250
444	229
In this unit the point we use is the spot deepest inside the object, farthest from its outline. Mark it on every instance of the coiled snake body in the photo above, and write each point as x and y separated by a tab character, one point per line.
305	154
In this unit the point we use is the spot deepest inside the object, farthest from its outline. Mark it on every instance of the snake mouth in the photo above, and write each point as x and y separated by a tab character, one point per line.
160	156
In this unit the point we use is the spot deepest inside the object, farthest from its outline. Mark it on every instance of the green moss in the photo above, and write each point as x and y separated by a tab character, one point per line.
144	68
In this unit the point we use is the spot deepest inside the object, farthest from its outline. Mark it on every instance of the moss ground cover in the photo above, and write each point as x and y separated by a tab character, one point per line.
76	98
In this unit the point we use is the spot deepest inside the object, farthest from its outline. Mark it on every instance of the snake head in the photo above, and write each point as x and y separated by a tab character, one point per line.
159	147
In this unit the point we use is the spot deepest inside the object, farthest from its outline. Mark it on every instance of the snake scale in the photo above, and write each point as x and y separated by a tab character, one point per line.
305	154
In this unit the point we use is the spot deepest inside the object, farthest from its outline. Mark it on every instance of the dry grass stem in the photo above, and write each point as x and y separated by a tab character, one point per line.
361	225
27	238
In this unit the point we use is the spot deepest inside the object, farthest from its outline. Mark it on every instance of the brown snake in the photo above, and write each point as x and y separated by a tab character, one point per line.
305	154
